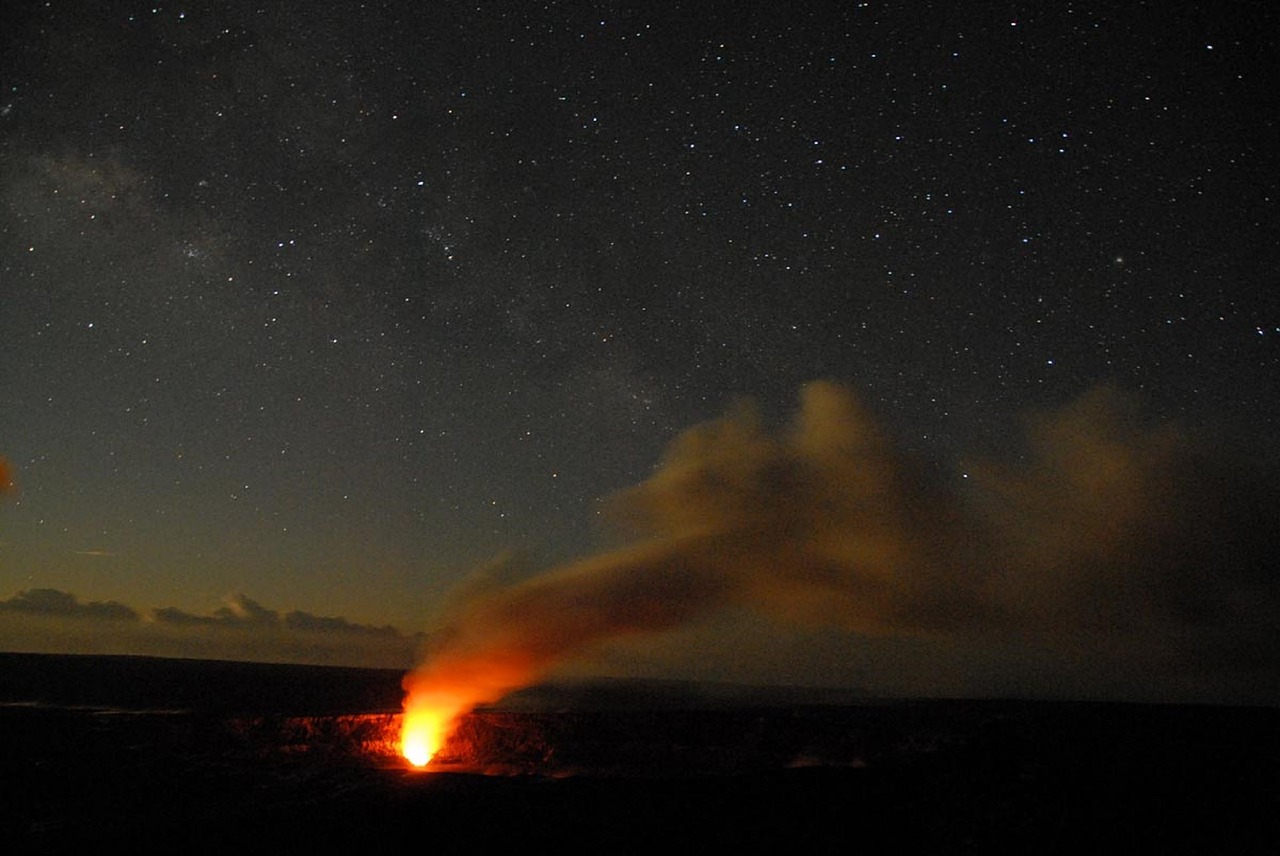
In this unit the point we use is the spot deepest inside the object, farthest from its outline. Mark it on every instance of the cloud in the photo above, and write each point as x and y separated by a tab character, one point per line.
1113	542
240	629
241	612
60	604
307	622
1117	527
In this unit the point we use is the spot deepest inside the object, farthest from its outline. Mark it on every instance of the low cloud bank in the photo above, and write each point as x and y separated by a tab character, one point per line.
58	621
54	603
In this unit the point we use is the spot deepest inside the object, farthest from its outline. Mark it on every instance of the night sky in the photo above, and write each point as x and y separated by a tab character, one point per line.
309	310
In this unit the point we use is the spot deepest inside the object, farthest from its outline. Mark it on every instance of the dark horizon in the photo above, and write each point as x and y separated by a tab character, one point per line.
288	756
147	682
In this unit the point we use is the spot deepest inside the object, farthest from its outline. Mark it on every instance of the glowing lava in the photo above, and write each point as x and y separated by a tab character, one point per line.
420	737
428	720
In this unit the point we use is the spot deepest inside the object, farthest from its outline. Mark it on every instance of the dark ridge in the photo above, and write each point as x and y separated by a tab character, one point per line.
232	687
201	686
604	694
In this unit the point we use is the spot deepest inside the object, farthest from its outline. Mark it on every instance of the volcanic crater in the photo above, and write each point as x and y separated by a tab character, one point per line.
192	756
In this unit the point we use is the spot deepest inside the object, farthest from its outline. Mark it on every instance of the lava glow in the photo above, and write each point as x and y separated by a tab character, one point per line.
421	734
420	737
428	720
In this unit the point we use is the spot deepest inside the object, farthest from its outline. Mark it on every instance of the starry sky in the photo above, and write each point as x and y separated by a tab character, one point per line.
309	310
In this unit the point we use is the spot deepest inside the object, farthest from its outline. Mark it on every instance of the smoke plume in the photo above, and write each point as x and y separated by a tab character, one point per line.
1108	529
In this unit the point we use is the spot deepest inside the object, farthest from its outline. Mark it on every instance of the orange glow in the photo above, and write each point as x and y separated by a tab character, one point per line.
420	737
429	718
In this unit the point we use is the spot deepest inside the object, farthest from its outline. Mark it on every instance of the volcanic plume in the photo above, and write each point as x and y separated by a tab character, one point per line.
1112	527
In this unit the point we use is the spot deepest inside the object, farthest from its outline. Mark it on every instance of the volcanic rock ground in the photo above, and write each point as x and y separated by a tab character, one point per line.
189	756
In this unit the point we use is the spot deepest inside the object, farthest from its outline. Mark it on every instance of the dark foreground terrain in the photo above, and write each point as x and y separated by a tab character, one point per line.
198	757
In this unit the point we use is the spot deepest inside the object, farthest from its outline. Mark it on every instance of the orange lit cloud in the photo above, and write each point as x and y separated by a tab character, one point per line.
1113	534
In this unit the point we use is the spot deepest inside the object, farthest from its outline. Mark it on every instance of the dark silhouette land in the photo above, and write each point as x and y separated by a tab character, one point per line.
195	756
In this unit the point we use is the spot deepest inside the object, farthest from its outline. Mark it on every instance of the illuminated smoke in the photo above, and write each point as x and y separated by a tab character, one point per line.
1110	528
